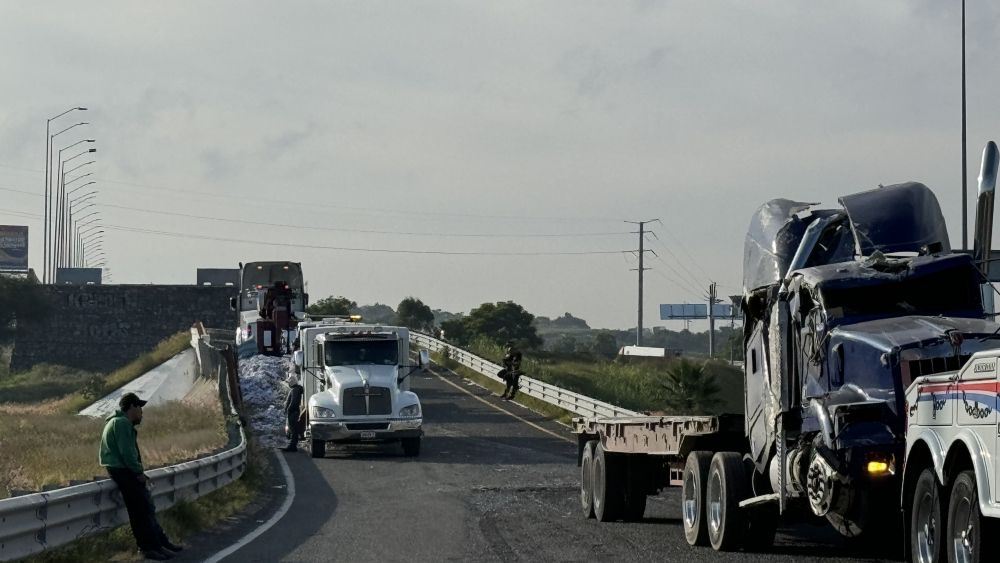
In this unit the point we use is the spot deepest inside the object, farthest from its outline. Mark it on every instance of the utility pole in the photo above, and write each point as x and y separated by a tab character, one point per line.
642	253
711	319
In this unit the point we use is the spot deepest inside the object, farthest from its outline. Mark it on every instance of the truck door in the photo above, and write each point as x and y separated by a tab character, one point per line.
976	405
756	389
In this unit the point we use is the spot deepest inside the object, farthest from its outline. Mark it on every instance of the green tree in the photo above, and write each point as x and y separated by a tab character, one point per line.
565	346
413	314
689	390
497	322
332	306
455	331
377	313
503	321
604	345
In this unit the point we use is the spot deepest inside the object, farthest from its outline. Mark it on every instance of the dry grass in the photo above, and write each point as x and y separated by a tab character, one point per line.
52	448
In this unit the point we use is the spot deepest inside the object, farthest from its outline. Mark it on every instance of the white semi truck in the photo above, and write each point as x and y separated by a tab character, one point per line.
356	378
951	481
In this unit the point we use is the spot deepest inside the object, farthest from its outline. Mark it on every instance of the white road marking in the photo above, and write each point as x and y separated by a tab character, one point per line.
491	405
289	497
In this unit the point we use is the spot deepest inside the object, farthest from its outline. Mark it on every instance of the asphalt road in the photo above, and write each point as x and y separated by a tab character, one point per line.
488	486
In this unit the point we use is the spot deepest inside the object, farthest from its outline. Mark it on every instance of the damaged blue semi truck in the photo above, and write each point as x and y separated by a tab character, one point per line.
842	308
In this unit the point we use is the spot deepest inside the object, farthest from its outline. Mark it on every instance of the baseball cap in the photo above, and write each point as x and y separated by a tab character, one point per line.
130	399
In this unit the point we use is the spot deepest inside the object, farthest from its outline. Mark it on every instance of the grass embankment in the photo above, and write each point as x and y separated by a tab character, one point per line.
636	385
45	443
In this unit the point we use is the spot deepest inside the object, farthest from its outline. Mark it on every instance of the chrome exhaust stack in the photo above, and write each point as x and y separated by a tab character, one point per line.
982	243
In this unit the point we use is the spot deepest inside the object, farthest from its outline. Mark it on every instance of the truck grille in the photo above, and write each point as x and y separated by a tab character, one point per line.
367	425
379	401
930	366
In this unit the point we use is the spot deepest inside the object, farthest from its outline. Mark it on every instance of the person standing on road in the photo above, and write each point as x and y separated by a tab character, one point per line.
293	404
511	372
120	456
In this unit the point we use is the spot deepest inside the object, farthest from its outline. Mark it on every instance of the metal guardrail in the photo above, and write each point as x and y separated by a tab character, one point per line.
32	523
568	400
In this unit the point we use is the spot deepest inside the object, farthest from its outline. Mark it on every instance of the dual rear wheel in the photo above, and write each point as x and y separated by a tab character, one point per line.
713	487
949	527
612	486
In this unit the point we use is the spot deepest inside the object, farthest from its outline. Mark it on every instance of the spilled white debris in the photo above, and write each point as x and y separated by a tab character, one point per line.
262	381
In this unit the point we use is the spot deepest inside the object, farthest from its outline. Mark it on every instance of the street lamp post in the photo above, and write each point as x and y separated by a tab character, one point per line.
47	192
61	206
87	201
49	227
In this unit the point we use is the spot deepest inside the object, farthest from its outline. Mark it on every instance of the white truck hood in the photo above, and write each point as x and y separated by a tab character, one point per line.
358	375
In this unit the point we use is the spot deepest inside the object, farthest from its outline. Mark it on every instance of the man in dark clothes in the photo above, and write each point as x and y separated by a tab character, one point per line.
120	455
511	372
293	404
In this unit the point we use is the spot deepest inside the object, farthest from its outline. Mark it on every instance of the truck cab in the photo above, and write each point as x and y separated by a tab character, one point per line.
356	378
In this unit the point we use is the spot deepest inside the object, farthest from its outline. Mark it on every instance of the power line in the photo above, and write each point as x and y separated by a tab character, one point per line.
173	234
691	277
674	283
237	198
354	249
684	250
680	278
343	229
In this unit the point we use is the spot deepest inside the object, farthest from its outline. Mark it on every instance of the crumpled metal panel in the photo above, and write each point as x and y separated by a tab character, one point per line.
771	242
896	218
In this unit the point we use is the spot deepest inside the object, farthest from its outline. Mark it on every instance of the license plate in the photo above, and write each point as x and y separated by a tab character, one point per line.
367	434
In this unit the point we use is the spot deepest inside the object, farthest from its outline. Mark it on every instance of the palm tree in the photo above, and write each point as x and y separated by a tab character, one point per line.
689	390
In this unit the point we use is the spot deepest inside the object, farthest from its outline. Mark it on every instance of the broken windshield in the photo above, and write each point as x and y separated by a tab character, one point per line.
912	295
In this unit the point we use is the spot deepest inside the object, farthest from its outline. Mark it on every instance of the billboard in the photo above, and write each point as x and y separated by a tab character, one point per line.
13	247
691	311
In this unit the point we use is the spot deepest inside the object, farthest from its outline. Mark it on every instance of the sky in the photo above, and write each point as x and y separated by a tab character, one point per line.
469	152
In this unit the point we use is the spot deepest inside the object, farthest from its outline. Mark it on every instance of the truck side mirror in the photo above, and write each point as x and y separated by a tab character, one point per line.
232	303
424	359
297	358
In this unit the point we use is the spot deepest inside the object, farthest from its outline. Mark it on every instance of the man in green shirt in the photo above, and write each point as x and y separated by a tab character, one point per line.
120	456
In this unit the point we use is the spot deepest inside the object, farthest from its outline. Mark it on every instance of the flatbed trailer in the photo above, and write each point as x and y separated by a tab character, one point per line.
623	460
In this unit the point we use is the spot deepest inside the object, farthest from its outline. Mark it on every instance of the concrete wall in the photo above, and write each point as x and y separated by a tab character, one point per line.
103	327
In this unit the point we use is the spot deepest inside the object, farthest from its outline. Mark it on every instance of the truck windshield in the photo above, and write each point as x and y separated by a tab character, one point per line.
354	352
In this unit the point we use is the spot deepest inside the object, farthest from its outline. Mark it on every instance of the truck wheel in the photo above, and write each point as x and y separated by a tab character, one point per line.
965	538
609	494
926	525
318	448
587	480
636	485
727	486
693	497
411	447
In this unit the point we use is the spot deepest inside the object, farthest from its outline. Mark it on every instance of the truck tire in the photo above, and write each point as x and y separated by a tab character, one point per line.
411	447
587	479
727	486
636	485
693	497
965	540
609	492
926	524
318	448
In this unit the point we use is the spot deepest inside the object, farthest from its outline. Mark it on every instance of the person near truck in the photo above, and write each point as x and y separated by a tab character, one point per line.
293	404
120	456
511	372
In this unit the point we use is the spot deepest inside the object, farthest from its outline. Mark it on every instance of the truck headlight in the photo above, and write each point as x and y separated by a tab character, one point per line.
322	412
410	411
